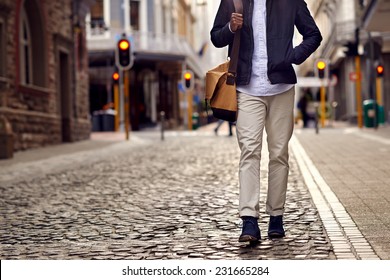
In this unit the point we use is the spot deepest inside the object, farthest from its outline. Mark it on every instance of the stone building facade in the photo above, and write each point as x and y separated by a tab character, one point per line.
44	71
344	23
164	37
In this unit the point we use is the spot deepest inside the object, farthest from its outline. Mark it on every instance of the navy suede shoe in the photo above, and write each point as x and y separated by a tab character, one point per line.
250	230
275	227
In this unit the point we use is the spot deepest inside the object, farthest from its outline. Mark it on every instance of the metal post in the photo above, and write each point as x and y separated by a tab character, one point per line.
372	78
379	91
378	99
316	118
127	103
121	102
323	105
116	105
334	106
189	108
162	120
359	103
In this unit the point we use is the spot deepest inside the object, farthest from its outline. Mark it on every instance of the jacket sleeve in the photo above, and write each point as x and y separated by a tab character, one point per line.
308	29
221	36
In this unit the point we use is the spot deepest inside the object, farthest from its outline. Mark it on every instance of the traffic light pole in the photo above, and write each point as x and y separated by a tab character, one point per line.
189	108
121	102
124	61
127	103
323	103
323	73
188	83
116	105
358	87
379	91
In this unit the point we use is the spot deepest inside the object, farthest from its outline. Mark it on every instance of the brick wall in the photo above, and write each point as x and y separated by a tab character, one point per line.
35	112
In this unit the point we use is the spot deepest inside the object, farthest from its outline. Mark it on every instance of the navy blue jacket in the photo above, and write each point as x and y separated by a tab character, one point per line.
282	16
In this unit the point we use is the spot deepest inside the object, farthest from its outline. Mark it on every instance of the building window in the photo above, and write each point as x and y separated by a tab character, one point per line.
25	51
98	25
32	45
134	14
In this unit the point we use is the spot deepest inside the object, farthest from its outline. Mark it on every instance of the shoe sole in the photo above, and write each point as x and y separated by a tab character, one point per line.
248	238
276	235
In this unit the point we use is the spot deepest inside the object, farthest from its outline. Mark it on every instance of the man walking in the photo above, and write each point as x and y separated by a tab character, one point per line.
265	88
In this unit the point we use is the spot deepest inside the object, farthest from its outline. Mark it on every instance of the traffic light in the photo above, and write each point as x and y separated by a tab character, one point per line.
321	67
188	79
124	53
379	70
115	77
351	49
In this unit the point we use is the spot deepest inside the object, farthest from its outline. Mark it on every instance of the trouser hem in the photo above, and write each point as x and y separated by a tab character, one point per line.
249	213
275	213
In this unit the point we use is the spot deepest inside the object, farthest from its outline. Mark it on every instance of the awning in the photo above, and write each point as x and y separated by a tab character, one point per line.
376	16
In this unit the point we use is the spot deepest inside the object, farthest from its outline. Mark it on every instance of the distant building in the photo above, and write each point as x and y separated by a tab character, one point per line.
164	35
44	71
375	17
342	23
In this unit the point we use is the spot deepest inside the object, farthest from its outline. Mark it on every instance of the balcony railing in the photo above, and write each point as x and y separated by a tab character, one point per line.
161	44
98	27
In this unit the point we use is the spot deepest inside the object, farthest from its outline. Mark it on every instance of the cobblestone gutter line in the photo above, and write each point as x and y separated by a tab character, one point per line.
346	239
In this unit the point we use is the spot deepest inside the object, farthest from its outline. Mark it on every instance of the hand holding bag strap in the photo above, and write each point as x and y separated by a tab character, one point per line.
236	46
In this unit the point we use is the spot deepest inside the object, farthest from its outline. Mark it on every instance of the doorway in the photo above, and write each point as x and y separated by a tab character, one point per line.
65	99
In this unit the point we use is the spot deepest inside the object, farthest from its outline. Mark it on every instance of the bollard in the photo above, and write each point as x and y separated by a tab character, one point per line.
316	117
162	120
334	106
6	139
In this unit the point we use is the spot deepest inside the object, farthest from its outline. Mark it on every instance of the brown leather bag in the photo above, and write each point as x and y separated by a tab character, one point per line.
221	90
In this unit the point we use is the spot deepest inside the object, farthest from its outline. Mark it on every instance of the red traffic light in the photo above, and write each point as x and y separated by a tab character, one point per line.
115	76
379	70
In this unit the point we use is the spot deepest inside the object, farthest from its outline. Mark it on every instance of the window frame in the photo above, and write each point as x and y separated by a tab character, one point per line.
138	15
37	66
26	77
106	21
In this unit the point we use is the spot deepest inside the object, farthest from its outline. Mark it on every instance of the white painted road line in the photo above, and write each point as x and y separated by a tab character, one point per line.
346	239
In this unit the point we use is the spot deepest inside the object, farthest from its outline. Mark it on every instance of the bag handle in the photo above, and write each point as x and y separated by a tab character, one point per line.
231	78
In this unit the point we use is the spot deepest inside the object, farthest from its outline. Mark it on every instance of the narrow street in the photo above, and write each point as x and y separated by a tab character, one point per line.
145	199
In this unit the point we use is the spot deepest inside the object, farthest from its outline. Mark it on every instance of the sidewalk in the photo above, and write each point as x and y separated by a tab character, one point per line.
355	164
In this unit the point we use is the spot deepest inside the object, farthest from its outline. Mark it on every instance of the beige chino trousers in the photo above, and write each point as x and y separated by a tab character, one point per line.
276	114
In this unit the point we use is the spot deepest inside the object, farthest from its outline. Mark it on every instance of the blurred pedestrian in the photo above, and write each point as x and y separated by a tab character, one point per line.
265	87
219	123
302	106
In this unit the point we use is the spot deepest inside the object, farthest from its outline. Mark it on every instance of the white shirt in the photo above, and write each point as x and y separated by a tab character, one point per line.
259	84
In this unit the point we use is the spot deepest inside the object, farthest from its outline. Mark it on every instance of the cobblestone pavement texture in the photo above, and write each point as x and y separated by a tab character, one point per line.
147	199
355	164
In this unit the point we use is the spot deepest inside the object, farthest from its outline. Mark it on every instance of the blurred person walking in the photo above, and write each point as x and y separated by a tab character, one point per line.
265	87
219	123
302	106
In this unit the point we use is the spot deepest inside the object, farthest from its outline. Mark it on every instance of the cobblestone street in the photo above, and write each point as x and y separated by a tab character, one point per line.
148	199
